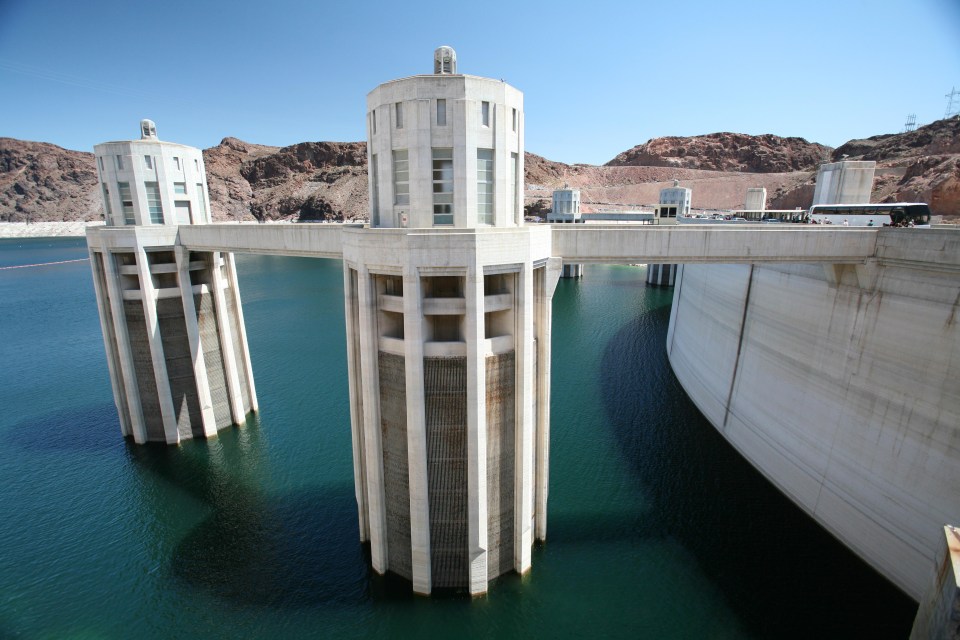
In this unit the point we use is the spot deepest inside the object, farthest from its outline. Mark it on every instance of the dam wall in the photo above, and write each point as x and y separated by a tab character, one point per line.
841	384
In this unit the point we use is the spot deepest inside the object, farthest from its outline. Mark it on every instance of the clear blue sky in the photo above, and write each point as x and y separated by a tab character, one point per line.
598	77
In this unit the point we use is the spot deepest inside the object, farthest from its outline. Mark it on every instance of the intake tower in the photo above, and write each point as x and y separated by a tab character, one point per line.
448	335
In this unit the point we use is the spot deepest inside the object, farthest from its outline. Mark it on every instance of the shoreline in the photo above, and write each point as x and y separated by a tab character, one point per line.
76	228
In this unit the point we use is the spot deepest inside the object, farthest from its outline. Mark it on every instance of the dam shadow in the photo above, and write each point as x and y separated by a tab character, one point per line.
780	572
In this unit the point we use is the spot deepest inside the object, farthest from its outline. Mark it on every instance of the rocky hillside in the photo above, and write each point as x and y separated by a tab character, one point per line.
727	152
328	180
917	166
44	182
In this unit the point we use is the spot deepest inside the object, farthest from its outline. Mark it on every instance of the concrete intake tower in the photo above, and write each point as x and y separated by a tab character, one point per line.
448	335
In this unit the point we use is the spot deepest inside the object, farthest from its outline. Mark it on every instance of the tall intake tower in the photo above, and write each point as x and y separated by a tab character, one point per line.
171	318
448	335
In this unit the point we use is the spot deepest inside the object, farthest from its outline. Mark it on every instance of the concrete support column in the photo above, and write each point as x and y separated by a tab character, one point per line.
237	412
476	429
107	328
369	349
127	367
525	426
148	294
416	432
193	338
544	285
242	329
356	398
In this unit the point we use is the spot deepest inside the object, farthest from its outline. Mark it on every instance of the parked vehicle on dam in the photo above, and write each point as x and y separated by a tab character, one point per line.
860	215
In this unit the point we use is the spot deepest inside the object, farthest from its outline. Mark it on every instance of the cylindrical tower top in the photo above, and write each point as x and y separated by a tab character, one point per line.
152	182
445	61
445	150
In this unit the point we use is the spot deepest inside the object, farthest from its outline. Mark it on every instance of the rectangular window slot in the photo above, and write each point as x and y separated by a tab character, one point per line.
399	114
514	120
148	162
485	113
441	112
153	202
119	163
126	202
401	177
485	186
443	186
180	187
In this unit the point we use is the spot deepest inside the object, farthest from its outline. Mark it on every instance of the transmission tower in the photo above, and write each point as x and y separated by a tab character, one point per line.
911	123
953	103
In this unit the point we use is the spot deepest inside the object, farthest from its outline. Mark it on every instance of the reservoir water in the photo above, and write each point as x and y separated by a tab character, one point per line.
657	527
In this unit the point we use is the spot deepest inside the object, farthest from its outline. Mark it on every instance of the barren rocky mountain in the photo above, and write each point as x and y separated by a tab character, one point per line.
328	180
727	152
40	181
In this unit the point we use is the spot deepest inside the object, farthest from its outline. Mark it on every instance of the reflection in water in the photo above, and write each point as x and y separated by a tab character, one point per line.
708	499
295	550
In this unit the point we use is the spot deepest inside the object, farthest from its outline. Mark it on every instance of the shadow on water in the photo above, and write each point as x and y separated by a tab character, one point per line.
780	572
89	429
296	550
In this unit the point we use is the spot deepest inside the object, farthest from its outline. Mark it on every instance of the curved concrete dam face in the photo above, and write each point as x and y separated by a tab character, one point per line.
842	385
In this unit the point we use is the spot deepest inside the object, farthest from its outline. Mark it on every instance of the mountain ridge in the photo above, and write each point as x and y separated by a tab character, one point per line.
314	181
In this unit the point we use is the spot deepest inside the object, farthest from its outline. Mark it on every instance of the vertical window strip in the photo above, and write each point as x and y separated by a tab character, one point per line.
126	203
106	203
485	113
514	120
375	201
485	186
148	162
401	177
441	112
443	186
119	162
153	202
515	205
399	114
203	201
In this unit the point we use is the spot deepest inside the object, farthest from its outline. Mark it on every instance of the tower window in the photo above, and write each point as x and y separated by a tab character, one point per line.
485	113
514	201
119	163
100	160
399	114
442	186
148	162
514	120
126	202
485	186
375	199
153	202
180	187
106	203
176	162
373	122
202	200
441	112
401	177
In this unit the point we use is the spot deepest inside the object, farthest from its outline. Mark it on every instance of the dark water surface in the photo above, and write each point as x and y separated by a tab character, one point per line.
657	528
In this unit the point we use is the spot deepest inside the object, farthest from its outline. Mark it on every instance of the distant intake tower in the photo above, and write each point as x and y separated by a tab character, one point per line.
448	335
171	318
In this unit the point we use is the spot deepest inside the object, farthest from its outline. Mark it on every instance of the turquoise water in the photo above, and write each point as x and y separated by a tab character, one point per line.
657	528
